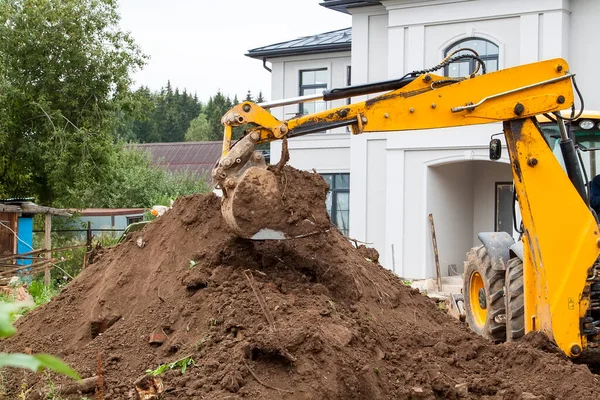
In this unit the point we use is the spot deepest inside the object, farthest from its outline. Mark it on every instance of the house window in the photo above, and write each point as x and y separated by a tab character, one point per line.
312	81
134	219
504	208
349	81
338	200
487	51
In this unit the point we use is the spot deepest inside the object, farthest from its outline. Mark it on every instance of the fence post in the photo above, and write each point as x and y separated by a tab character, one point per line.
47	246
88	241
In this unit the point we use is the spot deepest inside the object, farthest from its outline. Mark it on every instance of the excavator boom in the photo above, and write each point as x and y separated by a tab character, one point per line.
559	250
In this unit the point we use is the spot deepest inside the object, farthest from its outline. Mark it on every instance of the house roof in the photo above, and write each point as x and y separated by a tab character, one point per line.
344	5
197	158
106	212
339	40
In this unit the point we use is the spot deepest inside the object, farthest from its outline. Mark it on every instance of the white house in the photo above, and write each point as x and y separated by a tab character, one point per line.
384	185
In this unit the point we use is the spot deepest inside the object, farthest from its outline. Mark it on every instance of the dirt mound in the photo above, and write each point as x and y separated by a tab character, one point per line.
310	318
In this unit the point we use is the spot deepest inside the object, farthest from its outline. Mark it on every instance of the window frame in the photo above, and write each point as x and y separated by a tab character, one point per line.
497	186
302	87
132	219
334	192
473	63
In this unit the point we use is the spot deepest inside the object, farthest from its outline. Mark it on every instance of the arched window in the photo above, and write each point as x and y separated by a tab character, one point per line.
487	51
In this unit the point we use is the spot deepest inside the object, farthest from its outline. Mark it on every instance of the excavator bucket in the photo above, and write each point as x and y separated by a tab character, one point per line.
254	209
254	203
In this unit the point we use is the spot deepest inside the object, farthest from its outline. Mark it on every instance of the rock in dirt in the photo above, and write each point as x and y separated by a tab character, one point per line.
335	326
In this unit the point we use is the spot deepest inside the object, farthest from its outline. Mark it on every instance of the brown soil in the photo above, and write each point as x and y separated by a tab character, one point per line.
333	323
285	202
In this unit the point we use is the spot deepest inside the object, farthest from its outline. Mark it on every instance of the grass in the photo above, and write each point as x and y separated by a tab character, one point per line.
182	363
41	295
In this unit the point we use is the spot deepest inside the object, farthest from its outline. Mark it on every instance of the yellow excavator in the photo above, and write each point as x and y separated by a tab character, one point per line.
546	281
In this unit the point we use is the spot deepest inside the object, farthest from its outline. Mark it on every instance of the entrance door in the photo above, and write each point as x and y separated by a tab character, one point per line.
504	208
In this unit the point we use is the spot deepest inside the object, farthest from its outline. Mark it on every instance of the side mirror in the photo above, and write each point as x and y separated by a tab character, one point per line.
495	149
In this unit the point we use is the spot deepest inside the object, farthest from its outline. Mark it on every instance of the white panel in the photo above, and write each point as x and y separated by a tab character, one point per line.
395	53
529	38
360	48
553	32
376	189
358	187
583	58
378	48
403	14
450	201
394	217
416	48
486	174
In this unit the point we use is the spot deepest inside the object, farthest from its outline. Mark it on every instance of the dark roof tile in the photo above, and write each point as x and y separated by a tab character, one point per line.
193	157
340	40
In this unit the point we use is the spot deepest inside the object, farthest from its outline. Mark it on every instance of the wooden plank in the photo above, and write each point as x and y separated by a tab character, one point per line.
435	252
47	245
31	253
35	209
5	234
9	208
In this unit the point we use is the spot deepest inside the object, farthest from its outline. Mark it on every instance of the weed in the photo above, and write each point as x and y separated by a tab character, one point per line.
3	389
52	392
406	283
182	363
377	371
200	343
214	322
41	293
192	264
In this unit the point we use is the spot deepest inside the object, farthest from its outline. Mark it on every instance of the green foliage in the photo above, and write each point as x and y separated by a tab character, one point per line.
129	180
199	130
7	311
164	116
66	66
182	363
36	362
41	293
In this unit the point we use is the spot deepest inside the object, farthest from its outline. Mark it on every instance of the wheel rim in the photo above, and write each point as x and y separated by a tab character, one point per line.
478	309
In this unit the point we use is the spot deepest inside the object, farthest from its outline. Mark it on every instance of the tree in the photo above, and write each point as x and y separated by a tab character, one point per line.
65	65
260	98
214	110
130	180
200	130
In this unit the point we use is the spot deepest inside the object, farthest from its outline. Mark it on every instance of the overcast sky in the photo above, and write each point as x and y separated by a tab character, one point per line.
200	44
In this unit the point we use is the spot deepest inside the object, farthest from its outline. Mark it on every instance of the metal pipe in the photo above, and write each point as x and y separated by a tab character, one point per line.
344	92
292	100
265	65
569	154
471	107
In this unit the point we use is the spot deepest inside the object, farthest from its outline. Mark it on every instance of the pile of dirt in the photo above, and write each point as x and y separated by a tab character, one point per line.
310	318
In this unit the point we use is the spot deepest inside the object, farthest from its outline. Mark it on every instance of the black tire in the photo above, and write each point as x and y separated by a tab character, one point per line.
482	317
515	302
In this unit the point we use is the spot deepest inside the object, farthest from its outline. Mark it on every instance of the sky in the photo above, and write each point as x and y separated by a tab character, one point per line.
200	45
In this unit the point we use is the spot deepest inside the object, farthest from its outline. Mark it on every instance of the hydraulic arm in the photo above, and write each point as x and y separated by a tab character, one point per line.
560	248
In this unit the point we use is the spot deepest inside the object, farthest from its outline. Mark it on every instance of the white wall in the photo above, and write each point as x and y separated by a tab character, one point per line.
450	199
485	176
584	57
329	152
